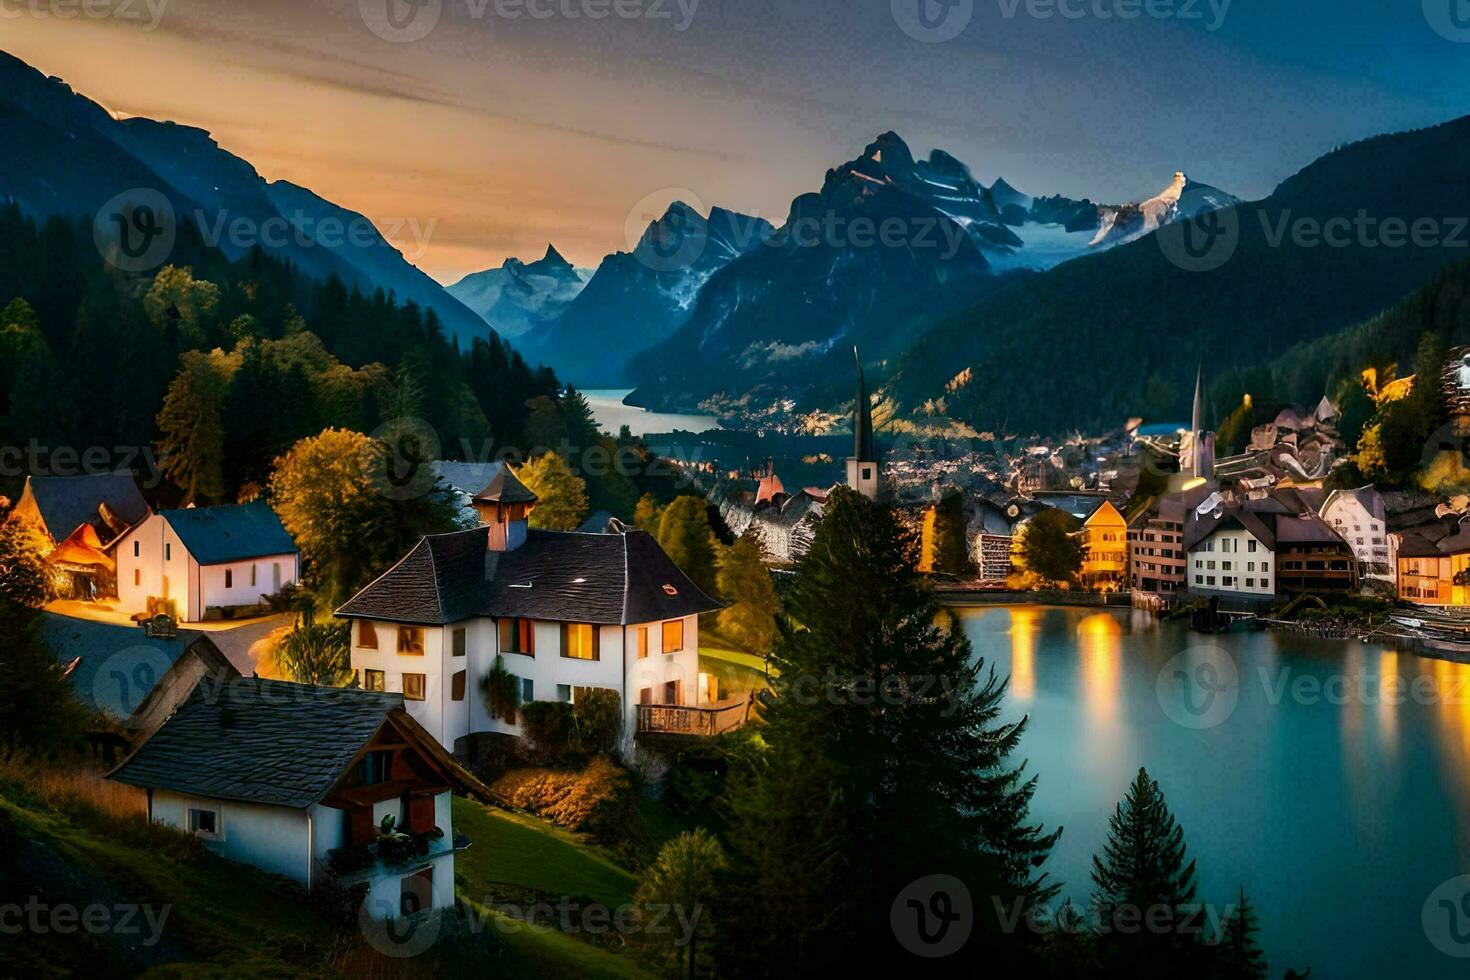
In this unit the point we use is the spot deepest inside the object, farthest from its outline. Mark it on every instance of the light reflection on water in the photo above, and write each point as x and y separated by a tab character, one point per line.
1337	800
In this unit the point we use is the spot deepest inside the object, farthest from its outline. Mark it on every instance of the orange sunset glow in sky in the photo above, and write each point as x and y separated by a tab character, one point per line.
497	133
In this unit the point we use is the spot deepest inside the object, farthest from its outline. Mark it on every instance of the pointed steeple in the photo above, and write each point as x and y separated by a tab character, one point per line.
862	467
1198	423
862	417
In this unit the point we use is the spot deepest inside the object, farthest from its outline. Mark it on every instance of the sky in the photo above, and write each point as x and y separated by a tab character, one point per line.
475	130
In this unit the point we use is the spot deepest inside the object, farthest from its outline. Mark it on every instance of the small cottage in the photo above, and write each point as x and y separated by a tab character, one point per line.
323	786
205	562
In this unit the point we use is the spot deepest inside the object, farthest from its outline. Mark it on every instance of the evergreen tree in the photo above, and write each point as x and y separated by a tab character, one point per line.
38	709
886	763
684	534
951	542
1050	546
745	583
1144	876
23	578
191	422
682	879
563	495
1239	953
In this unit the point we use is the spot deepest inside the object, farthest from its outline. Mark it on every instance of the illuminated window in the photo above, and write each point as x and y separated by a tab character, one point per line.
673	636
367	635
137	576
414	686
373	680
642	634
411	641
580	641
518	636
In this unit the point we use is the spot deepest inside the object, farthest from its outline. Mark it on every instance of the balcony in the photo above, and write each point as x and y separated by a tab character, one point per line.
696	722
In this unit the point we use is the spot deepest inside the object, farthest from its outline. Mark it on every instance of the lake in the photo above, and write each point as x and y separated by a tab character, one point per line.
1331	779
611	414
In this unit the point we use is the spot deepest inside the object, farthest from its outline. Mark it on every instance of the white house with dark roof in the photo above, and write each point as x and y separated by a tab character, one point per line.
1361	518
205	561
564	610
297	780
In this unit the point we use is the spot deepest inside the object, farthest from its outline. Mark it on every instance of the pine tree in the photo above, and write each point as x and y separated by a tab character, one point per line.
886	763
951	547
745	583
1143	876
1238	952
684	534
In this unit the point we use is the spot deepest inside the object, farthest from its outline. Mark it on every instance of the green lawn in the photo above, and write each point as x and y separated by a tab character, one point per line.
510	848
737	672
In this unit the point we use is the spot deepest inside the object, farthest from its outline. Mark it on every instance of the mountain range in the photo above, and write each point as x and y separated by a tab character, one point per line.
778	322
519	297
1118	334
67	156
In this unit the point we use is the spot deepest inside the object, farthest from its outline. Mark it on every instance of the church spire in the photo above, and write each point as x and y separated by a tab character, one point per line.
1198	423
862	467
862	417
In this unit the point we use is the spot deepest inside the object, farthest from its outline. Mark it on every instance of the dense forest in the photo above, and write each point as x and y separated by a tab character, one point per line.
239	359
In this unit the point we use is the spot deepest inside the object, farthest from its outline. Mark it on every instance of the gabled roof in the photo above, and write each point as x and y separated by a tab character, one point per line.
65	503
99	648
1368	497
261	741
609	579
234	532
1198	527
1417	546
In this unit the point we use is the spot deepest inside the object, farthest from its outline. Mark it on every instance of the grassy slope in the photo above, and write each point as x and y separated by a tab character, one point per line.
521	850
231	920
225	919
525	851
737	671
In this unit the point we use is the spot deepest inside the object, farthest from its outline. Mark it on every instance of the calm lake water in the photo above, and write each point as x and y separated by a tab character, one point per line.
1331	779
612	415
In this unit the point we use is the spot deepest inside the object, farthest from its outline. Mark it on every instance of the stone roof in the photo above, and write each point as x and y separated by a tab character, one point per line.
610	579
234	532
260	741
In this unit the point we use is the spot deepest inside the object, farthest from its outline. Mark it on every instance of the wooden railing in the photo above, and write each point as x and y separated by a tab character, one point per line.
707	720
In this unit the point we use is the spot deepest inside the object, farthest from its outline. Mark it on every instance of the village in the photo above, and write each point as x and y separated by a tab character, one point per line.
169	620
